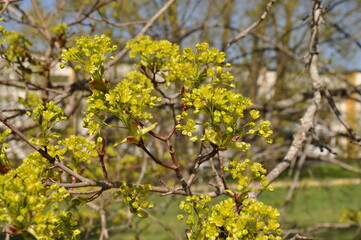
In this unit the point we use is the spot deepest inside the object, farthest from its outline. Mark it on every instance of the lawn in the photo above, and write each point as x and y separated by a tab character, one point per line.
309	206
312	205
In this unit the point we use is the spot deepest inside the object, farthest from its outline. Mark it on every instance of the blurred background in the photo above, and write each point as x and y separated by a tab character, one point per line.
318	195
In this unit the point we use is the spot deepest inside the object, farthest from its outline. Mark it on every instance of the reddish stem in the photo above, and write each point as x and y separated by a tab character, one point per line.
155	159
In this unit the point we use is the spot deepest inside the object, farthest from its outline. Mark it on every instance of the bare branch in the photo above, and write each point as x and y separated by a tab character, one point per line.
297	175
166	227
151	21
307	121
6	4
42	22
318	227
339	116
97	5
252	26
301	237
340	164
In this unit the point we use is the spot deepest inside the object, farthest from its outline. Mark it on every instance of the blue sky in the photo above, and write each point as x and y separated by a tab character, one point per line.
327	51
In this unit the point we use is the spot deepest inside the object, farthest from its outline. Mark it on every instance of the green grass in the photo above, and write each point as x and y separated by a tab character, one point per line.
324	171
152	230
315	205
337	234
309	206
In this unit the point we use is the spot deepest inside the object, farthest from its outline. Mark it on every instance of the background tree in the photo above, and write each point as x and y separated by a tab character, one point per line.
259	38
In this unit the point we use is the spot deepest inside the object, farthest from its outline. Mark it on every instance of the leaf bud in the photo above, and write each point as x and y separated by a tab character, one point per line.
100	144
184	106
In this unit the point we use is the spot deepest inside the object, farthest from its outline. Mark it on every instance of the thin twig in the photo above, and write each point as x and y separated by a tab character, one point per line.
201	158
339	116
252	26
340	164
104	169
103	220
317	227
220	184
301	237
166	227
151	21
45	154
6	4
141	145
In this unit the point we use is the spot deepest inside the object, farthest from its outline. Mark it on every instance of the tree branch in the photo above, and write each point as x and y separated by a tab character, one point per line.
151	21
307	121
252	26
